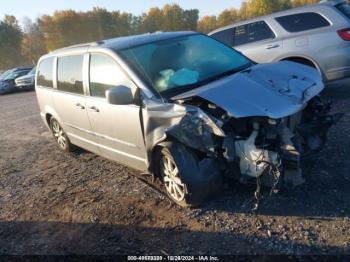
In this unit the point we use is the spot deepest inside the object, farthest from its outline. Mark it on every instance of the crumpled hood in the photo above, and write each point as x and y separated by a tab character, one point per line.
275	90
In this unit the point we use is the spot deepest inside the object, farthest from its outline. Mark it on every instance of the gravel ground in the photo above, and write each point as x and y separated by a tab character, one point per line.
57	203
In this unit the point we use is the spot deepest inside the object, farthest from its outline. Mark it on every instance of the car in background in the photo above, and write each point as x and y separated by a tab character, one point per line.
315	35
7	83
26	82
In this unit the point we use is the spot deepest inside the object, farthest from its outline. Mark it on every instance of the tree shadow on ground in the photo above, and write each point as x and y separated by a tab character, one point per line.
56	238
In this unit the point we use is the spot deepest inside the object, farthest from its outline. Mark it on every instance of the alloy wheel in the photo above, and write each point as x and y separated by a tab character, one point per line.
172	180
59	135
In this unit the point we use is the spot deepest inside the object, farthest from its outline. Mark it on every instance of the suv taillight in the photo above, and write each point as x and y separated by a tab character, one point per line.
344	34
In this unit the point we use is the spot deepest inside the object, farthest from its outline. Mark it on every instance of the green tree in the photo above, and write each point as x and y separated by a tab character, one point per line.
190	19
10	43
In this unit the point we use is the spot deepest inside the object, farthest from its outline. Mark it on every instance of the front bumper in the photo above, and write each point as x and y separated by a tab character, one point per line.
25	85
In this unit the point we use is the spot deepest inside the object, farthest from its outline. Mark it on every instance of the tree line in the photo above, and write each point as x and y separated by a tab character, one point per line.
24	44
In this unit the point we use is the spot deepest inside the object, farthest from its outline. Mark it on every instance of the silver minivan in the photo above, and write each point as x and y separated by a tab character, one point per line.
186	108
315	35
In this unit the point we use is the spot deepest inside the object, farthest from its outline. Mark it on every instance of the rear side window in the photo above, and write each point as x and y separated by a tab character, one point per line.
104	74
45	73
252	32
302	22
345	9
70	74
224	36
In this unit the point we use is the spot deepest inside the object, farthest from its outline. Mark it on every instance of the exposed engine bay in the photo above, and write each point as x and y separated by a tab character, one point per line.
262	147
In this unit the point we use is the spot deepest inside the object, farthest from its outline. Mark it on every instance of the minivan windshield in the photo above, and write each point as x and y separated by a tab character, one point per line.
180	64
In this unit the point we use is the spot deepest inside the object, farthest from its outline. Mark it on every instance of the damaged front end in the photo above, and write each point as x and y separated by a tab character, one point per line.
266	141
261	147
250	126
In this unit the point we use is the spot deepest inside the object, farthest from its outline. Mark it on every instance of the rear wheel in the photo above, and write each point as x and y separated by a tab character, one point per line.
60	136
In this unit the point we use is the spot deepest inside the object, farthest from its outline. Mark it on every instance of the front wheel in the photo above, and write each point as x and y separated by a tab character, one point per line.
175	188
186	181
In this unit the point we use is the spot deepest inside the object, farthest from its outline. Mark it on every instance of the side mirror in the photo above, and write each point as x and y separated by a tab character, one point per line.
119	95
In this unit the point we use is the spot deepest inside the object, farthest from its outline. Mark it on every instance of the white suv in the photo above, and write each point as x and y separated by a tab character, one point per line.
315	35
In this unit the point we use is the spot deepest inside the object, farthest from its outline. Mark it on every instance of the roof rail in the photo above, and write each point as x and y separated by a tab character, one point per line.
333	1
79	45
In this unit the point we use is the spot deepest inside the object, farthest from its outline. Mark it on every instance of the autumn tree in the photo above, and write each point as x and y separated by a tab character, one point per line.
297	3
33	45
68	27
207	24
153	20
243	11
257	8
228	16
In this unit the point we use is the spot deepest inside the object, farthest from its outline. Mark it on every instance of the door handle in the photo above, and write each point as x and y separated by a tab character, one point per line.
94	108
272	46
80	106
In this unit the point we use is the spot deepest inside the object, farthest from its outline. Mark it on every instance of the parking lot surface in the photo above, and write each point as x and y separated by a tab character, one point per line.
57	203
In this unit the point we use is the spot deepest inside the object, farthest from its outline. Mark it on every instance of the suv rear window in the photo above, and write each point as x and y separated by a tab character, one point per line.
224	36
253	32
70	74
345	9
45	73
302	22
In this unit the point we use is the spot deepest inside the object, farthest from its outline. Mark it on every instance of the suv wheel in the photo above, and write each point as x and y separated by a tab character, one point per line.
174	186
179	171
60	136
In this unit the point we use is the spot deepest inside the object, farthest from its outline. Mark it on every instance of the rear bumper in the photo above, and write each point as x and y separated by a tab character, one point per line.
335	61
338	73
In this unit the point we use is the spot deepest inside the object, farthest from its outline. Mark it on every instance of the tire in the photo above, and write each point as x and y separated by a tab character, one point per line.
60	136
183	182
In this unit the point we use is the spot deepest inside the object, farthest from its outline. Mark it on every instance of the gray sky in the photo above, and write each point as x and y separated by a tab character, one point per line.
35	8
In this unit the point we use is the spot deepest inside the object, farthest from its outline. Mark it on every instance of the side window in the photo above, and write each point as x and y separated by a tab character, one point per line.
225	36
302	22
45	73
70	74
252	32
104	74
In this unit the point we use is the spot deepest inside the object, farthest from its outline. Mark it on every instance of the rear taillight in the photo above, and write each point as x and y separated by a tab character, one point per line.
344	34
